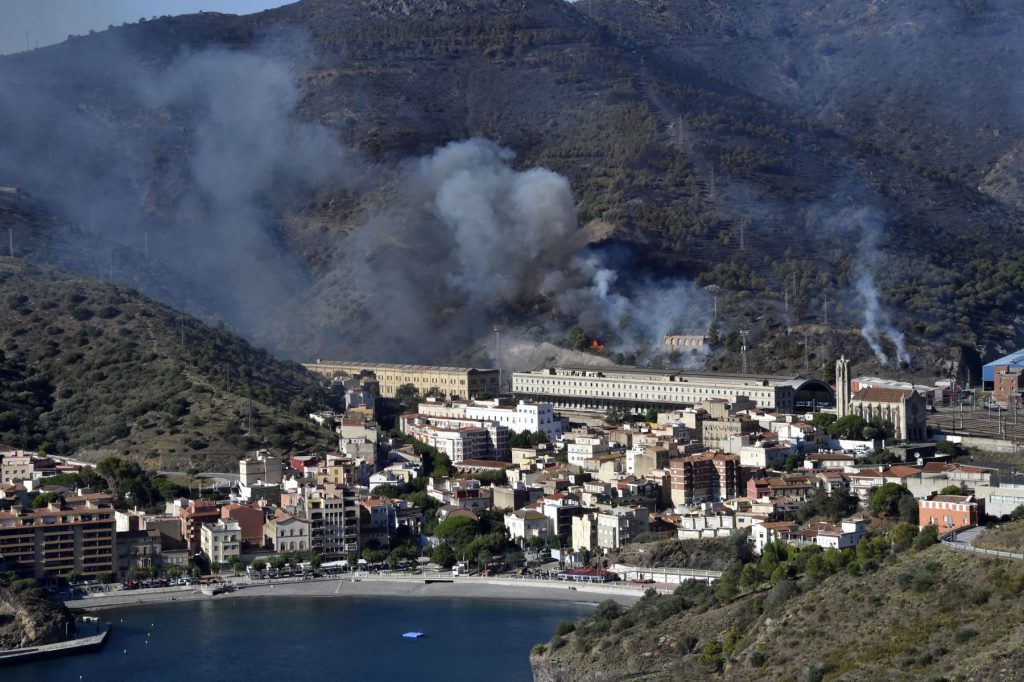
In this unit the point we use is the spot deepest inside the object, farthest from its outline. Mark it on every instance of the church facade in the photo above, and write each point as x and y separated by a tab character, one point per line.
905	410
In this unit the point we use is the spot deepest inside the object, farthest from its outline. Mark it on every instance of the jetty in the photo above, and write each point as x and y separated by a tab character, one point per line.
94	637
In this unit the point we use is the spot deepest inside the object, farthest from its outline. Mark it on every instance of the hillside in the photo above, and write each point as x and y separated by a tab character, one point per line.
934	614
92	368
700	166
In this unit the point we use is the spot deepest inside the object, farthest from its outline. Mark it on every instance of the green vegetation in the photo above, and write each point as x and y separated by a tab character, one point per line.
145	382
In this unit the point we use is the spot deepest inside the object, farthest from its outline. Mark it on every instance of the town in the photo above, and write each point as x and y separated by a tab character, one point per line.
548	480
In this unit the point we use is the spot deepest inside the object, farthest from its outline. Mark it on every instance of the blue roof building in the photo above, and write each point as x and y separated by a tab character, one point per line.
1015	359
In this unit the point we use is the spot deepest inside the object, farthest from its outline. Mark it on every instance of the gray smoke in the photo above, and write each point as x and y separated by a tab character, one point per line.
183	173
864	226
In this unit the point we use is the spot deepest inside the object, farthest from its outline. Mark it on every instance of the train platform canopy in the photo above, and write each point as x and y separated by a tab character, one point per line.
1015	359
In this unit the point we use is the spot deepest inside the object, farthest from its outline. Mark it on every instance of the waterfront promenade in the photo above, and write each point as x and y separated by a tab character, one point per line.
440	586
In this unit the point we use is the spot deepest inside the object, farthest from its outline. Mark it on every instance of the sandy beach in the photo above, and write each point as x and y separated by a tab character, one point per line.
375	586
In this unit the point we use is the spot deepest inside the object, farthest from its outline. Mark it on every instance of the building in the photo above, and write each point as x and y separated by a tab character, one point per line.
58	540
451	382
525	524
826	535
221	541
333	515
905	410
618	526
523	416
197	513
15	467
459	438
949	512
1008	384
263	467
249	518
284	532
1013	361
596	389
336	470
706	477
140	550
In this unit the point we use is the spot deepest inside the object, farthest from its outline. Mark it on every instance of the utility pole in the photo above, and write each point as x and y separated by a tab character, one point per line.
806	362
181	327
743	348
715	299
825	305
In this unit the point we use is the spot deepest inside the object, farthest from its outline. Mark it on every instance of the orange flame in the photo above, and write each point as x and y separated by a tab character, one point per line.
596	344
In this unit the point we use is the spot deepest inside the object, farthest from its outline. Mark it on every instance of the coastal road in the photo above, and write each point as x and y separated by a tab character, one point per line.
221	480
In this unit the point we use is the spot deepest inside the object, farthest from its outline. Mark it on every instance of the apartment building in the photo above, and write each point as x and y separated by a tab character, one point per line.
56	540
263	466
221	541
460	439
333	515
197	513
949	512
706	477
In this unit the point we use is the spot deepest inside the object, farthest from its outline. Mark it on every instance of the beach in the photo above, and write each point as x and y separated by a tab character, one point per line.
375	586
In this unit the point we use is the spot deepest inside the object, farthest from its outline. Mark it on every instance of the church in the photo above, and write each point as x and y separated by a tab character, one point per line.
905	410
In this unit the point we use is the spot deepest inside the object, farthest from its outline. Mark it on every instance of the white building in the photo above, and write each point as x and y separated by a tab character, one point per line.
584	447
525	524
598	388
523	416
459	438
618	526
221	541
264	467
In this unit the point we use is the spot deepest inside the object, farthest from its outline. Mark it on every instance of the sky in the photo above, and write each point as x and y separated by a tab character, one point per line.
51	21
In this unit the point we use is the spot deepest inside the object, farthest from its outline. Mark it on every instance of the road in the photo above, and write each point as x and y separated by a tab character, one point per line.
220	480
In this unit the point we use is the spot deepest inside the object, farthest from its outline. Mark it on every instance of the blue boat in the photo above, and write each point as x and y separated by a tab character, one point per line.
413	635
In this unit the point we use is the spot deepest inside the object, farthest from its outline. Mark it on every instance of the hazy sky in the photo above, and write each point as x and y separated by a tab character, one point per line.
51	21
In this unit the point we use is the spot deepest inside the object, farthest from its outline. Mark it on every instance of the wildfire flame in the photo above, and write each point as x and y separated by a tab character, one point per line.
596	344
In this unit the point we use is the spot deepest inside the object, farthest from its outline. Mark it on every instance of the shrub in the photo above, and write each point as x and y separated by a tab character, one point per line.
564	628
538	650
964	634
757	659
928	536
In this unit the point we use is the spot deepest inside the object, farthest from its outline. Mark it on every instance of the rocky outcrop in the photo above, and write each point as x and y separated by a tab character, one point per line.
29	618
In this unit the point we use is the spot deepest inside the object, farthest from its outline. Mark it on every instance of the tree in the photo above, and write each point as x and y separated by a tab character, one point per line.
792	462
903	536
443	555
259	565
173	572
387	490
43	499
727	589
823	420
1018	512
237	565
885	499
928	536
955	490
908	508
407	394
849	427
316	561
536	542
457	530
277	562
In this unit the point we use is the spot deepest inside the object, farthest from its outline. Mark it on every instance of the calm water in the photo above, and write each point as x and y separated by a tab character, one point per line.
305	638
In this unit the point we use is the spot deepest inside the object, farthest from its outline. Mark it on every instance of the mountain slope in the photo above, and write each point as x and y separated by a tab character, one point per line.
89	366
930	615
685	165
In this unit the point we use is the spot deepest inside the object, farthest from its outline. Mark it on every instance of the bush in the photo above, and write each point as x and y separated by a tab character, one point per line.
538	650
964	634
564	628
757	659
928	536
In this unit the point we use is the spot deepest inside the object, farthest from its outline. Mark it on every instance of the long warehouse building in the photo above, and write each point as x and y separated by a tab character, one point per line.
452	382
597	389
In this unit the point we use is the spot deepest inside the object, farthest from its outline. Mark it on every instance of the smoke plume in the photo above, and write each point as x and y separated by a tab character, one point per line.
187	177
